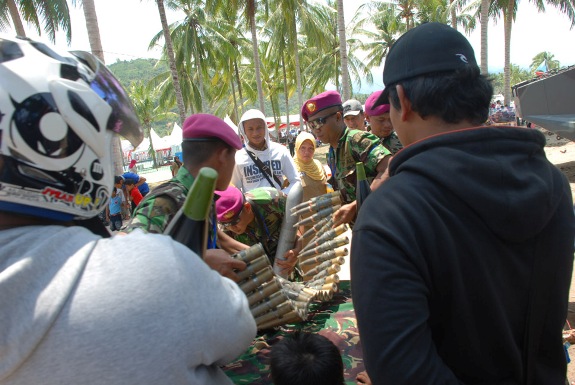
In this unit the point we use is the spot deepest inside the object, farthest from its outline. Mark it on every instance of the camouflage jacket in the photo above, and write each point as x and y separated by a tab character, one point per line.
392	143
159	207
268	205
354	146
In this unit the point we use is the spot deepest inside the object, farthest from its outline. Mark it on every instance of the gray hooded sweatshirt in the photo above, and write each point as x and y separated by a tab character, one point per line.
135	309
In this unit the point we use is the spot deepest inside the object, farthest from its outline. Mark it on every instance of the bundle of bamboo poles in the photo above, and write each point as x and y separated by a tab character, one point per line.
268	300
275	301
324	246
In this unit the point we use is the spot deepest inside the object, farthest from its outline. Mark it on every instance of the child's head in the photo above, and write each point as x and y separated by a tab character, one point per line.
306	358
118	182
129	184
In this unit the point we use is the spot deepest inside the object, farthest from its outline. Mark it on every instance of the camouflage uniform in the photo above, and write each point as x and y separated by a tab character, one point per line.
354	146
392	143
159	207
268	205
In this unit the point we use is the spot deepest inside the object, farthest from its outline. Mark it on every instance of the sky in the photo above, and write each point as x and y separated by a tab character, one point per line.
127	26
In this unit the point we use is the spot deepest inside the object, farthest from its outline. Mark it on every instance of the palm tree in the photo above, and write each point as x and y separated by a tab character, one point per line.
484	19
508	9
96	48
92	27
205	47
251	11
145	99
378	22
171	60
544	57
288	19
322	62
346	90
54	15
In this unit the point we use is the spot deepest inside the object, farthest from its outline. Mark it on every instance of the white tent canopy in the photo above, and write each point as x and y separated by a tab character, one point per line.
160	143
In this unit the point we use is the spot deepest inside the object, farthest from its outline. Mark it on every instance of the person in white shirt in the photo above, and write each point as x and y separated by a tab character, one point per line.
277	167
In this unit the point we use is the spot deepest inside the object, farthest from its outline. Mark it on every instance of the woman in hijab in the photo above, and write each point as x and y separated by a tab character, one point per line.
312	174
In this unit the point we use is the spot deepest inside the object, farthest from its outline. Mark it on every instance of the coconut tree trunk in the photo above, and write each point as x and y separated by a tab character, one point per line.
236	117
239	83
285	90
172	61
343	51
507	23
297	72
93	29
16	20
257	62
151	149
96	47
200	80
453	15
484	27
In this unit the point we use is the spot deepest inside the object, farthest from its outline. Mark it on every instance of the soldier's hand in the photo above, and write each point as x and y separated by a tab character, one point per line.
220	261
345	214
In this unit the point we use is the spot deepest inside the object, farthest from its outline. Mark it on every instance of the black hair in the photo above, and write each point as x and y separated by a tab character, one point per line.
197	152
304	359
129	182
452	96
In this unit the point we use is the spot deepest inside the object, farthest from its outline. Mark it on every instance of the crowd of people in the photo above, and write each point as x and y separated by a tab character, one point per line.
461	257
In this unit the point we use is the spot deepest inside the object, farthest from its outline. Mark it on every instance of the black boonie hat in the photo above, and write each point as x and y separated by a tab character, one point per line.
429	47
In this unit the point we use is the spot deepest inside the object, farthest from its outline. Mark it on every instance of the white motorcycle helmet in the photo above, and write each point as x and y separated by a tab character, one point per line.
58	115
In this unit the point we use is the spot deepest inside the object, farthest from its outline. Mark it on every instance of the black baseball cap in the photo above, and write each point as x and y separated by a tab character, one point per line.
427	48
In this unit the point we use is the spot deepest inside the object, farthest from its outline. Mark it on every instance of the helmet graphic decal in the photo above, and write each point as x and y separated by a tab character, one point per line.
39	131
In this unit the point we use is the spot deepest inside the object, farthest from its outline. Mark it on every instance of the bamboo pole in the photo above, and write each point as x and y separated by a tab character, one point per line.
318	216
326	236
329	245
285	318
334	278
277	312
253	267
321	270
313	200
328	255
269	303
254	281
318	205
263	292
316	228
250	254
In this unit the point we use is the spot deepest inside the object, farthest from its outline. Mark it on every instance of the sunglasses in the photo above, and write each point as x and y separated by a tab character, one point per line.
319	122
235	220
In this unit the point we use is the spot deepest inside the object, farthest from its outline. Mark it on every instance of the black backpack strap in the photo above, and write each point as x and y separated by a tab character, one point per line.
264	169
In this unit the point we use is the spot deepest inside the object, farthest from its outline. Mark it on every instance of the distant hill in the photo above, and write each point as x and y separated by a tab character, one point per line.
128	71
137	69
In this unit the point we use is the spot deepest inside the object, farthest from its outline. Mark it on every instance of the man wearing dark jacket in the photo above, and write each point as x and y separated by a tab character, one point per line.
461	262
